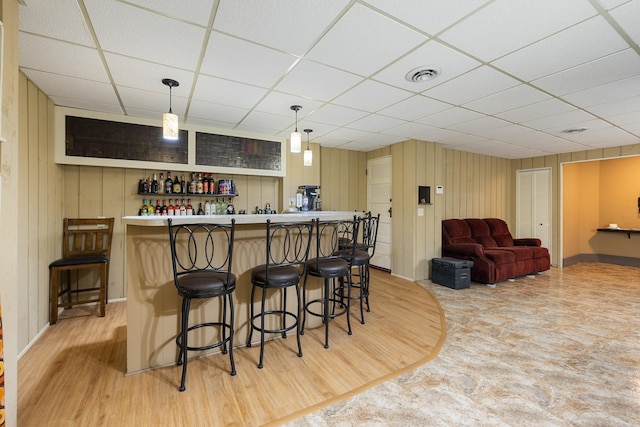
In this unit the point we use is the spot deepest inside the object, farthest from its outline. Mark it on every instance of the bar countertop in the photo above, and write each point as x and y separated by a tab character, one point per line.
155	221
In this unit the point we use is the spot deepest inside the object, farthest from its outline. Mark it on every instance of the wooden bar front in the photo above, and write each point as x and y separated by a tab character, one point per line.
153	304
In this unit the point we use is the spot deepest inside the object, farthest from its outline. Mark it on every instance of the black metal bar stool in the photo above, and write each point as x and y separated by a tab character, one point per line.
360	259
286	260
201	257
329	265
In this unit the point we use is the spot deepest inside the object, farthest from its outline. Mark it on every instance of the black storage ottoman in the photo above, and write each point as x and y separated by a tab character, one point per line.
453	273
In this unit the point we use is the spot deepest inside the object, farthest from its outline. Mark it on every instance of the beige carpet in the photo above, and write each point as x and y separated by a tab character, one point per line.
558	349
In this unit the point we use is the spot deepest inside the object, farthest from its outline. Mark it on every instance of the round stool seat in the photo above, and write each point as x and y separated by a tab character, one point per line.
358	257
327	267
279	277
205	284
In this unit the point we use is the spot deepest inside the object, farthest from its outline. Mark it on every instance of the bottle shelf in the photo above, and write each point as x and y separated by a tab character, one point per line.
173	195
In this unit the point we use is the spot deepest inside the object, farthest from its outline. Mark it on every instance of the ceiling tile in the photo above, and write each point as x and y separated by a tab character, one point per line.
61	19
74	88
507	100
410	130
560	122
316	81
375	123
628	16
577	45
128	30
432	16
282	102
376	39
415	107
148	76
450	117
609	92
536	110
614	67
288	25
272	122
87	105
473	85
336	115
199	11
214	112
39	53
245	62
371	96
156	102
618	107
502	23
227	92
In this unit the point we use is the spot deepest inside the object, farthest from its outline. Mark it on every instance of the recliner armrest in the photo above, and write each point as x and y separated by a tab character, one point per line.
527	241
464	249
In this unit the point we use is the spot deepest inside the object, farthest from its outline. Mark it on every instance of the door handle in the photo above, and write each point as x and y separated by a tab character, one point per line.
390	212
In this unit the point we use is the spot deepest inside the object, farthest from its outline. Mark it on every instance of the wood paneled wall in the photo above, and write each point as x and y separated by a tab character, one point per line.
475	186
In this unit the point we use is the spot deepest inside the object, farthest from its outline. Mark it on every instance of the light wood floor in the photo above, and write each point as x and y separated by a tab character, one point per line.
74	374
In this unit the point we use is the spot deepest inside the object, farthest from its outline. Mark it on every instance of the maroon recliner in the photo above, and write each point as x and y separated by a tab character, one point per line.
502	236
489	265
497	256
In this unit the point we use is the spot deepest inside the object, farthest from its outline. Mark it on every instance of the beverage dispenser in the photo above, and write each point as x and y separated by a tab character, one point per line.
306	197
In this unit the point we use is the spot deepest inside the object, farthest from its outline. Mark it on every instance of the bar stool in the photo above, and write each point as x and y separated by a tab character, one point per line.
86	245
201	257
329	265
360	259
286	260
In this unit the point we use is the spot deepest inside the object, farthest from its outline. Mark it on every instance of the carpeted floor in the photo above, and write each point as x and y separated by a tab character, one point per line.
558	349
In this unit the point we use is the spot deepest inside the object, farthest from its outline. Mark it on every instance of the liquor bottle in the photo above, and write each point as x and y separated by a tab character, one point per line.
170	209
158	208
205	184
165	209
183	208
231	210
154	184
207	208
161	184
168	184
144	211
212	184
151	208
145	186
199	188
183	184
177	188
200	211
192	184
189	207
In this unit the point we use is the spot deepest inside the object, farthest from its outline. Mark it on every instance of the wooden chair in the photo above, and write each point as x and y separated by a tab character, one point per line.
86	245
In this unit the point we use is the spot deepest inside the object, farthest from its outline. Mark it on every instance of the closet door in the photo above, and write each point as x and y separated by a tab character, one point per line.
533	205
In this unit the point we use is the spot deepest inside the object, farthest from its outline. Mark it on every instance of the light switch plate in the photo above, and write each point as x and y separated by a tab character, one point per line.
420	211
439	189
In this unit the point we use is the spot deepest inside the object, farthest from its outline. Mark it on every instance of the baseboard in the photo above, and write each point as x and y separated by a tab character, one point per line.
603	258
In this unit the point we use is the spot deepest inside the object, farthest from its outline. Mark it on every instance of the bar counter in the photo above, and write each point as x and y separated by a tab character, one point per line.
153	304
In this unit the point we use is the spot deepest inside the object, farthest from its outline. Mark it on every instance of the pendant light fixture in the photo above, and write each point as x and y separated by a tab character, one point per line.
308	154
170	120
296	137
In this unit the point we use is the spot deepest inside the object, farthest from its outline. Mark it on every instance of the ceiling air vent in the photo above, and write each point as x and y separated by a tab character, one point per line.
422	74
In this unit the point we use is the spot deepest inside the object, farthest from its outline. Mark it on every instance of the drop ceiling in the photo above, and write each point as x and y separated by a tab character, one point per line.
515	75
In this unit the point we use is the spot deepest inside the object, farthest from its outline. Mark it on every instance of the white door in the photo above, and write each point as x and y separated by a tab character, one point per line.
533	205
379	202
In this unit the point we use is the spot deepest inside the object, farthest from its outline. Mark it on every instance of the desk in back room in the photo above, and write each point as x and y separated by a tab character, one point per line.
153	304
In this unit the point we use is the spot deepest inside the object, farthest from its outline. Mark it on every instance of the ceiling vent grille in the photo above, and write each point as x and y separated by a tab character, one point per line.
422	74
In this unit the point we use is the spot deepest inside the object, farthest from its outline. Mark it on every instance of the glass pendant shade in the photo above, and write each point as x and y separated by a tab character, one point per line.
170	126
296	137
170	129
308	157
296	142
308	154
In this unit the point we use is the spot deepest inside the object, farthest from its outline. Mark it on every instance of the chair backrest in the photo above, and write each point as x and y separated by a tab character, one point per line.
87	236
201	247
332	237
370	232
288	244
